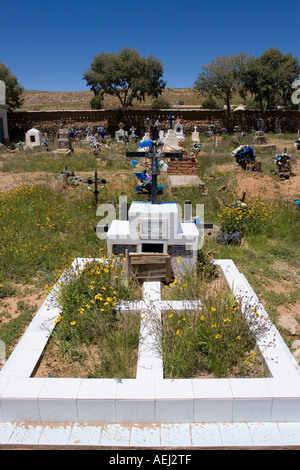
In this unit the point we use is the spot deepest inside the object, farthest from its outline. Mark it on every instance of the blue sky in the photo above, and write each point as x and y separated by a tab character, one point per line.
49	45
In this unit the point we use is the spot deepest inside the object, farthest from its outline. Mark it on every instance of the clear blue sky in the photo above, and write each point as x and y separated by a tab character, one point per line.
49	45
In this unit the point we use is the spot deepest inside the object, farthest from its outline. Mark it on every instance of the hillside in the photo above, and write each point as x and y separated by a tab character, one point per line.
80	100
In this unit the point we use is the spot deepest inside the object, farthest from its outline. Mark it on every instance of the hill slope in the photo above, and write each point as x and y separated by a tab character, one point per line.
80	100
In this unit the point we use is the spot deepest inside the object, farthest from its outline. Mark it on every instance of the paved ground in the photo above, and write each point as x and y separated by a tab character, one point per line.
185	436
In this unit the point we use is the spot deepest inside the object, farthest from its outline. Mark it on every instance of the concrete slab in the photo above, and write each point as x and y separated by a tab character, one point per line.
181	181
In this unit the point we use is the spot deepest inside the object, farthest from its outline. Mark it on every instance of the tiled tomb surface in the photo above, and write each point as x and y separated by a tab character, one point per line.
149	398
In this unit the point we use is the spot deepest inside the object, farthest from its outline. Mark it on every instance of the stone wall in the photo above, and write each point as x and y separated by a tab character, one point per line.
50	121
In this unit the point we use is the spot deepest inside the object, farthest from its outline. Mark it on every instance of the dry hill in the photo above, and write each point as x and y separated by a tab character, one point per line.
80	100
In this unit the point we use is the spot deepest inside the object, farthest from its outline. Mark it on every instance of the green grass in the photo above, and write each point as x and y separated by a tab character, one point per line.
192	344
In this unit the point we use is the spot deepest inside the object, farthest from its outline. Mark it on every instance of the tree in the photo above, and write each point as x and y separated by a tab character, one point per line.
221	78
126	75
269	78
13	89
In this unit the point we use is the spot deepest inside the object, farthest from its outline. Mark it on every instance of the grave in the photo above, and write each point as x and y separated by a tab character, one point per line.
89	136
154	238
33	138
184	173
178	130
64	141
120	134
195	135
170	141
149	398
4	136
260	141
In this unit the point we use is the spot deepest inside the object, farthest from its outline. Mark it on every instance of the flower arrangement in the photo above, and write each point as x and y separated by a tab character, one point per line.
283	159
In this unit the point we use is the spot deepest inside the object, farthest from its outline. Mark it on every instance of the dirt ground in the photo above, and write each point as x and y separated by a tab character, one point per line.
263	185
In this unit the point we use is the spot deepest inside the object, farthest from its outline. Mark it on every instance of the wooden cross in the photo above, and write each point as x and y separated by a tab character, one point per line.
154	155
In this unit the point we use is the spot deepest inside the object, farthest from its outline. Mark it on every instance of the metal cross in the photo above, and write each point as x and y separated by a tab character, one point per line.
154	155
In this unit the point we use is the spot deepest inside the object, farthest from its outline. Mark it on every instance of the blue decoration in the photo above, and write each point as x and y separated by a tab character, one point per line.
141	176
146	143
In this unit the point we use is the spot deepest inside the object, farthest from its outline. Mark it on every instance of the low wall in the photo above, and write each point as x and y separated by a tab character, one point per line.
50	121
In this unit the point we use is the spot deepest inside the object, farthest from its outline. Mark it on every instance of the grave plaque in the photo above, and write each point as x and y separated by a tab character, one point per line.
179	250
120	249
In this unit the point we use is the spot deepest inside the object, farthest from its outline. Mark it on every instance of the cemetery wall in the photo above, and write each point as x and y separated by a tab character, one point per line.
50	121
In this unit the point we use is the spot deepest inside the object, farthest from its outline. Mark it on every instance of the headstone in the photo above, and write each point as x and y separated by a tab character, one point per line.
155	229
259	138
195	135
132	136
170	141
4	137
178	130
89	136
33	138
121	135
2	92
64	140
261	142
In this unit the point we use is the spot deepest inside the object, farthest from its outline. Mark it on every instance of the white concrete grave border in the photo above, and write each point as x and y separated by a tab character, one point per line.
149	398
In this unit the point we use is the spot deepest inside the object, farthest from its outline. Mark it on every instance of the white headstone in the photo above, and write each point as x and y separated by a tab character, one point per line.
195	135
2	92
170	141
155	228
33	138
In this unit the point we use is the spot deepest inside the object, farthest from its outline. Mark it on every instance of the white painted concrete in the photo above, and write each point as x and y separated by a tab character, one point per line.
187	407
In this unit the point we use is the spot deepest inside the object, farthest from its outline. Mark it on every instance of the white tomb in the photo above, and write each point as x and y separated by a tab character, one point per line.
156	228
178	130
4	137
195	135
170	141
33	138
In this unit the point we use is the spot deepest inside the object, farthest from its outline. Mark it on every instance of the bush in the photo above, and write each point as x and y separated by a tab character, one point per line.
160	103
96	102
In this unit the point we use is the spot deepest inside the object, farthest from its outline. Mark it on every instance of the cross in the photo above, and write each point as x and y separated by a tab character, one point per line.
95	181
154	154
150	363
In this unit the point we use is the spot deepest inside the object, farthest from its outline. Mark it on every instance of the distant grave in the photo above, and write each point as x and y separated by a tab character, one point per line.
4	136
260	142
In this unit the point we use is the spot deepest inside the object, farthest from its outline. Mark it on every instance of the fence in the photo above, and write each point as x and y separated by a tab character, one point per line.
50	121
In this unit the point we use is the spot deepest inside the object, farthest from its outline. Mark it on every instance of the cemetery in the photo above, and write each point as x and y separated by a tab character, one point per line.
116	253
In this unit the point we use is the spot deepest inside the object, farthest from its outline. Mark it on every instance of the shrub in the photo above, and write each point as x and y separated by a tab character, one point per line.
160	103
251	218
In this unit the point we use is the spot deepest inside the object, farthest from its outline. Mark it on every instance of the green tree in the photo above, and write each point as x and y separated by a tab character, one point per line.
13	89
269	78
221	78
126	75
